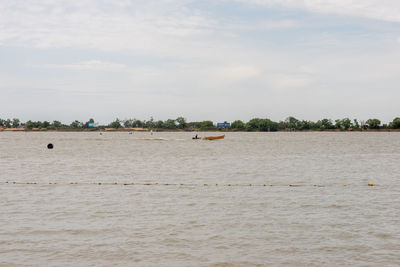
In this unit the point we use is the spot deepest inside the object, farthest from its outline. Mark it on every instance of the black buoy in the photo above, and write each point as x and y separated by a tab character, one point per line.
50	146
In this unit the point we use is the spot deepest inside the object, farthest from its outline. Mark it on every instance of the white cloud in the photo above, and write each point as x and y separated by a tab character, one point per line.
265	24
93	65
387	10
285	81
161	28
237	73
113	25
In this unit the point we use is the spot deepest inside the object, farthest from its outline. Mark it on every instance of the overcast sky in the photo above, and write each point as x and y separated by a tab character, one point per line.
203	60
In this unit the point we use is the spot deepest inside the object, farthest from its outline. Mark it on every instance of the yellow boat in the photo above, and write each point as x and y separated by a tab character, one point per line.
214	137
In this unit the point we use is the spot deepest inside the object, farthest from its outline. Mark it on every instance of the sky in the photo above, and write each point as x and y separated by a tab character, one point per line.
218	60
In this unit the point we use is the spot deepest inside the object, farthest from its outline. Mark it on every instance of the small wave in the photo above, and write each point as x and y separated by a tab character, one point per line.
153	139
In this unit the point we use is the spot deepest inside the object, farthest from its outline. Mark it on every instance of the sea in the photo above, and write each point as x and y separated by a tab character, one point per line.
163	199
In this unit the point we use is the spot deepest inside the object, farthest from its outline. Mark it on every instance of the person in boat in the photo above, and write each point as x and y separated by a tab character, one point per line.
196	137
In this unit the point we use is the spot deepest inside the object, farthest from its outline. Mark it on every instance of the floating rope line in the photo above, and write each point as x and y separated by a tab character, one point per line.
172	184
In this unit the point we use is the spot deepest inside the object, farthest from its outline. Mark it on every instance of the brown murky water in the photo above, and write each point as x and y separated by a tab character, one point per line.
309	203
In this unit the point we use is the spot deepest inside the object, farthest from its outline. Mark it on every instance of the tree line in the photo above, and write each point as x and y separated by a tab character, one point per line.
180	123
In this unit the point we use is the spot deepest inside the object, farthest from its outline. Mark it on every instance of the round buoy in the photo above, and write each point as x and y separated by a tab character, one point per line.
50	146
370	184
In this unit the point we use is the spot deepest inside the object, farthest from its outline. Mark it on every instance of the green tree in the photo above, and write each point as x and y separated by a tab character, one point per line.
343	124
238	124
395	124
170	124
150	123
253	124
292	123
76	124
305	125
207	125
282	125
267	125
57	124
373	123
346	123
45	124
29	124
115	124
325	124
138	123
7	123
338	124
258	124
159	124
33	124
356	124
194	125
15	123
181	122
128	123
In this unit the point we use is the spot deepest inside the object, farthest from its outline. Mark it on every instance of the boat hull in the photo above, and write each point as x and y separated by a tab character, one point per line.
214	137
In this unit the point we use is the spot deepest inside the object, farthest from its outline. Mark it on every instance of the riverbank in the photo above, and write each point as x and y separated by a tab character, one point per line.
181	130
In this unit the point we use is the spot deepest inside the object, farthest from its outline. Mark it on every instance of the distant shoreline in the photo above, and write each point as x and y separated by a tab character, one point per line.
290	124
16	130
